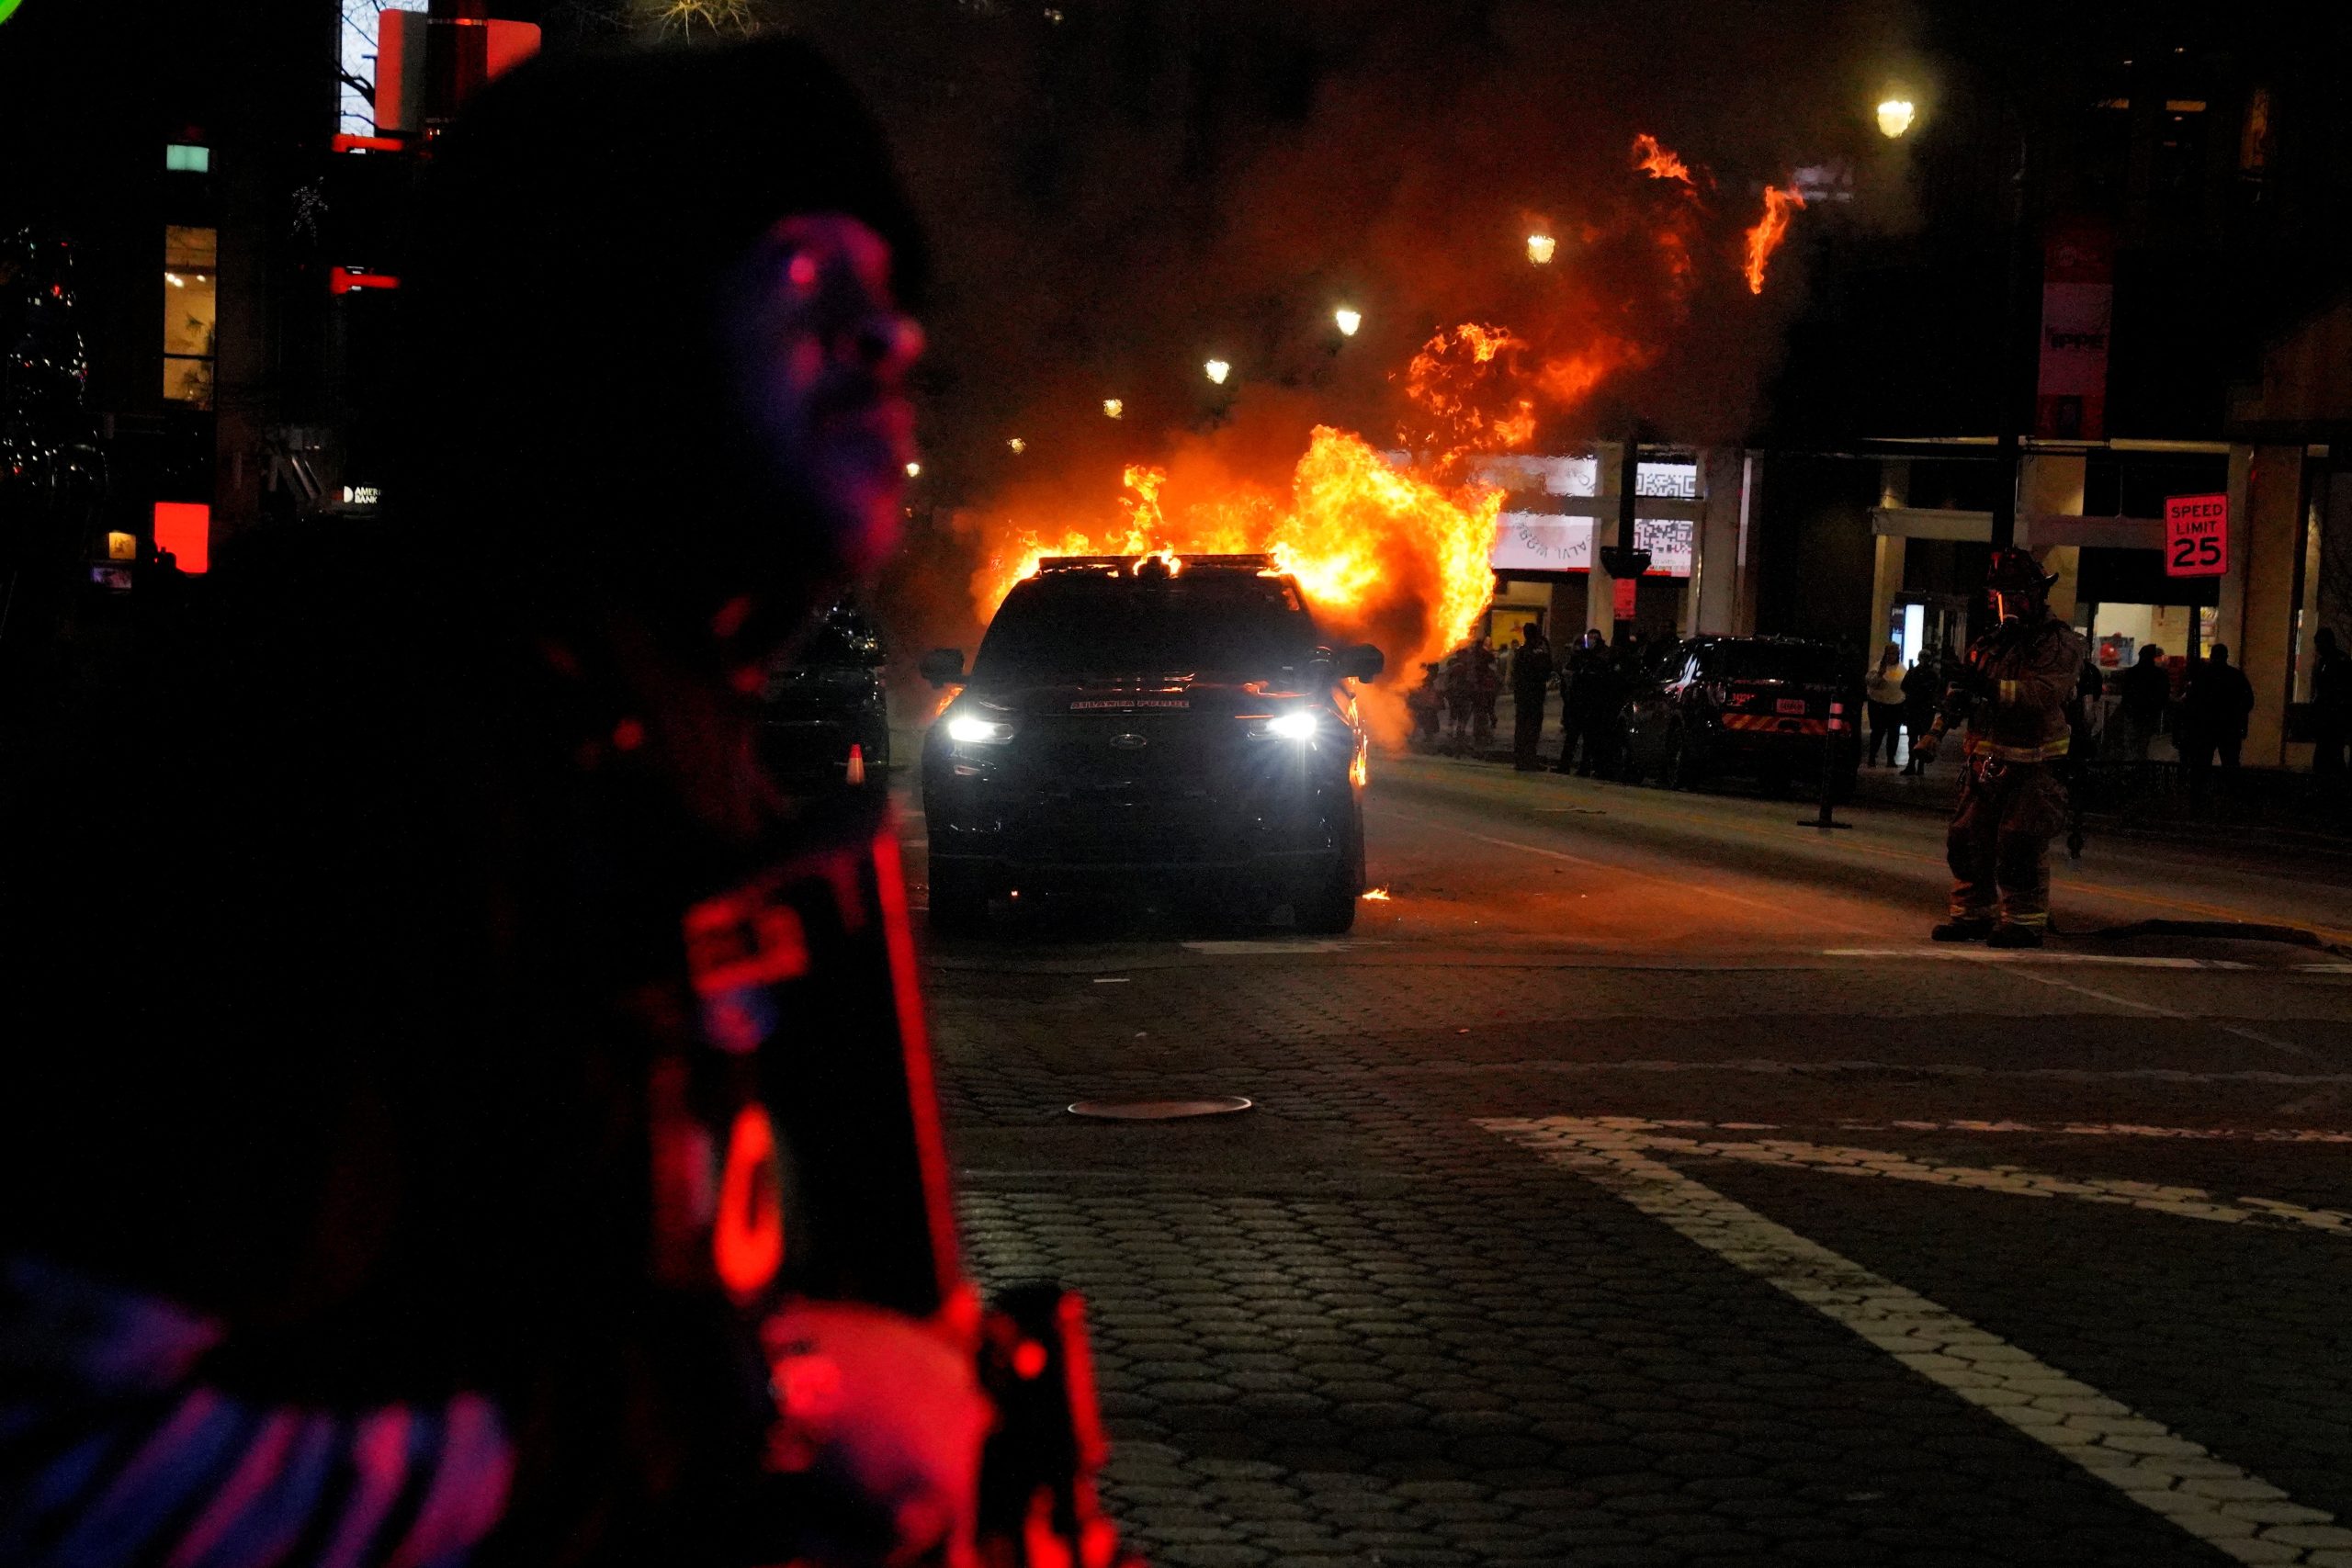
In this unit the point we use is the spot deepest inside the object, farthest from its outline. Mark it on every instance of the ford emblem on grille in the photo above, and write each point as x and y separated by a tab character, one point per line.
1129	741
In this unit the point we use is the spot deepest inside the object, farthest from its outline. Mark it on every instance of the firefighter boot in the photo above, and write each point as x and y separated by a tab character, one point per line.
1965	927
2010	934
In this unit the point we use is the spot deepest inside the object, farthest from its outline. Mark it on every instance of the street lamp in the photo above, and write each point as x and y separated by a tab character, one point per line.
1113	408
913	469
1539	248
1349	321
1218	370
1894	115
1018	446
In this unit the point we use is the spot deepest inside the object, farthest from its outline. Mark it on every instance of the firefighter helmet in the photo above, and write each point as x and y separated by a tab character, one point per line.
2018	587
2016	571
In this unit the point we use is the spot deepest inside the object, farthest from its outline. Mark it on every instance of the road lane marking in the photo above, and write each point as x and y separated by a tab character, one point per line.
2058	985
2185	1202
2238	1513
1696	889
1767	1068
2042	955
2290	1047
2031	956
1243	945
2100	1129
2068	1129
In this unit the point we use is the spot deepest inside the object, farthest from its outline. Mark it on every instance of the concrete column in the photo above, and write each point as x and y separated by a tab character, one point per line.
1886	574
2050	484
1601	589
1714	569
1751	521
2229	616
2307	621
1886	582
2274	536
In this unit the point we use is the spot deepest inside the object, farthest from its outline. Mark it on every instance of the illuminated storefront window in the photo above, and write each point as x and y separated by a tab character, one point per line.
191	262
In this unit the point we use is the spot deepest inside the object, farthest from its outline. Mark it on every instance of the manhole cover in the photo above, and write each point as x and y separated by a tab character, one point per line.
1157	1110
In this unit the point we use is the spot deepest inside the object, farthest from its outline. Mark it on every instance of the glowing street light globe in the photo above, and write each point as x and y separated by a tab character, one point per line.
1113	409
1018	446
1539	248
1895	118
1349	321
1218	370
913	469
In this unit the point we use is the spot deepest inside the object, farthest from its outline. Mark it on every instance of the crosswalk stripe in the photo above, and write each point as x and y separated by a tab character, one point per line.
2234	1510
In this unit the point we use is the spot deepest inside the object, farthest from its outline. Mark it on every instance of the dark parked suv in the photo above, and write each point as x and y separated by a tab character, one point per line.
828	706
1756	706
1132	721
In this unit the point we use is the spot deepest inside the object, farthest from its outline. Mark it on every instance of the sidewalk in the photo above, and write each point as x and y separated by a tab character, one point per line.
2270	808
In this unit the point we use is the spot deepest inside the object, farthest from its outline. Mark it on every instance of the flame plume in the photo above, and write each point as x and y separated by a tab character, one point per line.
1677	231
1463	383
1385	556
1389	554
1662	163
1765	238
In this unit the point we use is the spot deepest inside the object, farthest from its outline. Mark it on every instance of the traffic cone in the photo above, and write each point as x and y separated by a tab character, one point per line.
857	764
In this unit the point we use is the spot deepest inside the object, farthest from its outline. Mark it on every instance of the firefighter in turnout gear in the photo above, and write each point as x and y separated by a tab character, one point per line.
2012	693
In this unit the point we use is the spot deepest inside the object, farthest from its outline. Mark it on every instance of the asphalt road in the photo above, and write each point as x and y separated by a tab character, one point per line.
1638	1186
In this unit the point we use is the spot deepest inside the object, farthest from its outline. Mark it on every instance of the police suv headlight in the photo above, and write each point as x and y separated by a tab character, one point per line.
1302	724
966	730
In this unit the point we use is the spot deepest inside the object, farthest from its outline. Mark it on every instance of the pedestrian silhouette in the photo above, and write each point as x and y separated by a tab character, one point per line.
2144	698
2214	715
1885	697
2331	703
1531	681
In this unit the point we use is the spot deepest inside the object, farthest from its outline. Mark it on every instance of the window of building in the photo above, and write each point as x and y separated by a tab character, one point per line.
183	530
186	158
191	263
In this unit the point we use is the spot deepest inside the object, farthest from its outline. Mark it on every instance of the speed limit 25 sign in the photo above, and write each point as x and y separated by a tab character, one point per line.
2196	535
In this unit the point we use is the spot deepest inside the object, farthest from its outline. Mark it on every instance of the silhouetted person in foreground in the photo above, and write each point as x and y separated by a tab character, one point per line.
370	1189
1531	681
2213	713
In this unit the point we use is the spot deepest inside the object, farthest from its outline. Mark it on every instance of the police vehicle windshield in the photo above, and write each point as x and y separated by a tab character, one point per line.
1077	624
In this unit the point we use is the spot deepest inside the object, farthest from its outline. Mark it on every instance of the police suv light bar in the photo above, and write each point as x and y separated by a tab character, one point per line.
1121	563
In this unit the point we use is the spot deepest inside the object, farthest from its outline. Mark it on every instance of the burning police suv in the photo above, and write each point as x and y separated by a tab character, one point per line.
1156	720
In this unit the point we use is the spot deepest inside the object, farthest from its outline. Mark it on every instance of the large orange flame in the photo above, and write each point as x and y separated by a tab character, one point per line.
1567	380
1464	385
1765	238
1661	162
1676	230
1385	555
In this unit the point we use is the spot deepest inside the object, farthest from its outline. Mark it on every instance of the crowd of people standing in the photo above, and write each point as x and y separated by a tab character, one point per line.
2203	705
1454	707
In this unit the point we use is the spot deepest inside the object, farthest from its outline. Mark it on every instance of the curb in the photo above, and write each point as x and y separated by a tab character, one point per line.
2202	835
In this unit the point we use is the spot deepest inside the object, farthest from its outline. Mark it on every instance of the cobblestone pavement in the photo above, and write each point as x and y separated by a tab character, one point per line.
1639	1190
